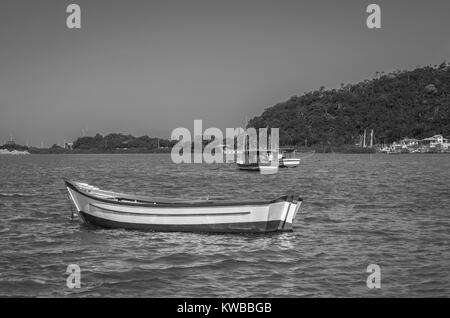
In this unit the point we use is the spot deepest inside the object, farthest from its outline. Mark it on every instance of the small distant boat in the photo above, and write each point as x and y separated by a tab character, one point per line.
117	210
289	162
268	168
287	158
394	152
264	168
258	161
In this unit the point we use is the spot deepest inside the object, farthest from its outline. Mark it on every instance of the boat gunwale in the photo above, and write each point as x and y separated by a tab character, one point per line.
207	203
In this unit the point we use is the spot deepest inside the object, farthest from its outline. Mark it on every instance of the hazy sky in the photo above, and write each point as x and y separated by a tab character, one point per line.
147	67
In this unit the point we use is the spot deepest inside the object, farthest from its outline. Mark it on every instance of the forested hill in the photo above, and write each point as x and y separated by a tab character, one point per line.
113	142
413	104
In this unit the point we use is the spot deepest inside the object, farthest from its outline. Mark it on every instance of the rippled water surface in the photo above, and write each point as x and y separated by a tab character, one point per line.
358	210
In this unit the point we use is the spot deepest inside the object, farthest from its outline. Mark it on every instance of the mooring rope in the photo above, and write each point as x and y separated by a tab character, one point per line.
70	200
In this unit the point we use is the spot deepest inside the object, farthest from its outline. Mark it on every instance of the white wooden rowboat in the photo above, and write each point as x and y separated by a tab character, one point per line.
117	210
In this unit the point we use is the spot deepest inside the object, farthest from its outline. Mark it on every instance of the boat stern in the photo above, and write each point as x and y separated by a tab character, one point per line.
283	211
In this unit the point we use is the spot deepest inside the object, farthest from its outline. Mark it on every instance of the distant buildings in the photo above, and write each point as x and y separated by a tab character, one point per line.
437	143
68	145
409	142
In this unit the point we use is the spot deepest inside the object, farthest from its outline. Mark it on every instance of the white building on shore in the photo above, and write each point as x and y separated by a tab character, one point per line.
436	141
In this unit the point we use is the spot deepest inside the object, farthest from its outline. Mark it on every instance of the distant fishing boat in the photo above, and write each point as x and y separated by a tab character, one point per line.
268	168
289	162
391	151
257	161
287	158
248	166
117	210
264	168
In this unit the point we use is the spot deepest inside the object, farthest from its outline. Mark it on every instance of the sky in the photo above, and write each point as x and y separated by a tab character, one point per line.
147	67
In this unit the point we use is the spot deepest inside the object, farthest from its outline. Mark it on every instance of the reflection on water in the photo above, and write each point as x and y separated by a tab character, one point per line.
358	210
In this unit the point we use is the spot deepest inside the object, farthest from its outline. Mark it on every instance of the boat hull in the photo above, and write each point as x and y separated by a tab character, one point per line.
289	162
264	168
248	166
236	227
108	210
268	169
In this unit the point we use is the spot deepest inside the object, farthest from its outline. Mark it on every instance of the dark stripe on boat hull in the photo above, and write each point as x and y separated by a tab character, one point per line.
168	214
248	166
247	227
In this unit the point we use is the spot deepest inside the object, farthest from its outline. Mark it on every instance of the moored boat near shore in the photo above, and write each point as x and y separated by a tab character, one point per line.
264	168
287	158
289	162
117	210
248	166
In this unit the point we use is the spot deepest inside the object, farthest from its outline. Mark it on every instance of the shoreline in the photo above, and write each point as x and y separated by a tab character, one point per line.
168	152
342	149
